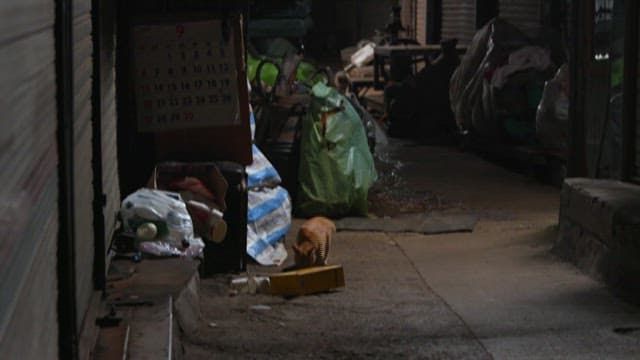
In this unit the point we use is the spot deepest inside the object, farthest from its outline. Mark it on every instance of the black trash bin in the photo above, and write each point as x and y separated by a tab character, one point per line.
230	254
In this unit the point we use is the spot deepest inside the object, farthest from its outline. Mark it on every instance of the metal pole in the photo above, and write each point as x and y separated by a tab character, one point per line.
434	21
67	317
576	162
99	199
630	91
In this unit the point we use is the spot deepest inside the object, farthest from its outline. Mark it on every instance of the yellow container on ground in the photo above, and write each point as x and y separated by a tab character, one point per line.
307	281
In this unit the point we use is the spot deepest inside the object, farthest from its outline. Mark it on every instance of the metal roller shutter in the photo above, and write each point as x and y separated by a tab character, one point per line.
421	21
29	177
525	14
109	145
376	14
459	20
408	17
360	19
83	172
636	156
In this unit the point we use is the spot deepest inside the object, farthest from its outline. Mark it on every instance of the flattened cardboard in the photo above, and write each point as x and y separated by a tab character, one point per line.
307	281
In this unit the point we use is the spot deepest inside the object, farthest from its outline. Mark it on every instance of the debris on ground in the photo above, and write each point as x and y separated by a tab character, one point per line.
390	196
250	284
417	223
260	307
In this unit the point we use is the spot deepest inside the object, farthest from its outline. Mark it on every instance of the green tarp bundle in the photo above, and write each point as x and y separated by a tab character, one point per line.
336	166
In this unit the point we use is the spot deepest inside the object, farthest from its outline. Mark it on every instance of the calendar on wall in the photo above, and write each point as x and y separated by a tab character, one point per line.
185	75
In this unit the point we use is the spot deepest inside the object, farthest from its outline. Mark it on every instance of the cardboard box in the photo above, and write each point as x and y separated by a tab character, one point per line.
307	281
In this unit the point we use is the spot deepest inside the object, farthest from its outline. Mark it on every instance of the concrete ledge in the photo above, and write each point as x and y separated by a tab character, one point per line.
600	231
158	300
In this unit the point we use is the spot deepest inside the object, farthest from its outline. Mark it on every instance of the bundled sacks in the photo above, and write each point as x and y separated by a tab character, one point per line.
471	92
336	166
261	172
269	210
553	112
268	222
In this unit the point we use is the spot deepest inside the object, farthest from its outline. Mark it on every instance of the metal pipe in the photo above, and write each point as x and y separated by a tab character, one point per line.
99	199
630	93
67	316
434	21
576	164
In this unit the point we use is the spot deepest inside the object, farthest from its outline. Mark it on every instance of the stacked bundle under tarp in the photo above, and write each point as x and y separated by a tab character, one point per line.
496	90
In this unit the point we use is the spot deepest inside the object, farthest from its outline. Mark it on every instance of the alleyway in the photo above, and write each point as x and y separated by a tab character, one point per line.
498	292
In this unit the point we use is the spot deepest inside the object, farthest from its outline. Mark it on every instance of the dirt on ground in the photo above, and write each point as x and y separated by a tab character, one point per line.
391	196
497	292
386	311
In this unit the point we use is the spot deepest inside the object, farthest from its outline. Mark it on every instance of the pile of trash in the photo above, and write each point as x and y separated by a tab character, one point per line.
500	91
181	210
182	205
320	139
280	70
336	166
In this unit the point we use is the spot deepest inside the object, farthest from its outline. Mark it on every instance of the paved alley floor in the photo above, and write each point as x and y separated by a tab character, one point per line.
498	292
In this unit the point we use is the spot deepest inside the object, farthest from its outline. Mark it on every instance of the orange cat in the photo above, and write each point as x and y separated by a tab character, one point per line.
313	242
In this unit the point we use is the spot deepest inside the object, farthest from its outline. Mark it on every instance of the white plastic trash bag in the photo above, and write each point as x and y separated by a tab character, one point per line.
160	221
268	221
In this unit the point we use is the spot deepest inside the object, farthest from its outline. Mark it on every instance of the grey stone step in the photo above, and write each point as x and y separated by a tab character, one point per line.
600	231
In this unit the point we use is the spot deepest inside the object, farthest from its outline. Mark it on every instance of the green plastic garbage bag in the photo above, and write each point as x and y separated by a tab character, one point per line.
307	73
336	167
268	73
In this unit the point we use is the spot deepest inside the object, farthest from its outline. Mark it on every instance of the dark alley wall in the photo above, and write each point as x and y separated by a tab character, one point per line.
342	23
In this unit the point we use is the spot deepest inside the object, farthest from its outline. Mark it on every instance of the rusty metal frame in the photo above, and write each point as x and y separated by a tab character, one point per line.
630	92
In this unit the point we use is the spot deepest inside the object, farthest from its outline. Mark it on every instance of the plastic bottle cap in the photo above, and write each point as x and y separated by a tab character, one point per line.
147	231
219	231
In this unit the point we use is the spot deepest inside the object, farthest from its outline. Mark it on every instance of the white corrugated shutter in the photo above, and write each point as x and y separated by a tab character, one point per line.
83	171
421	21
636	167
408	17
376	14
29	178
459	20
525	14
360	19
110	182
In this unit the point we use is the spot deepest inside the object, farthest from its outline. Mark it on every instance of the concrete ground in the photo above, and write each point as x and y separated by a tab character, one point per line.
498	292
